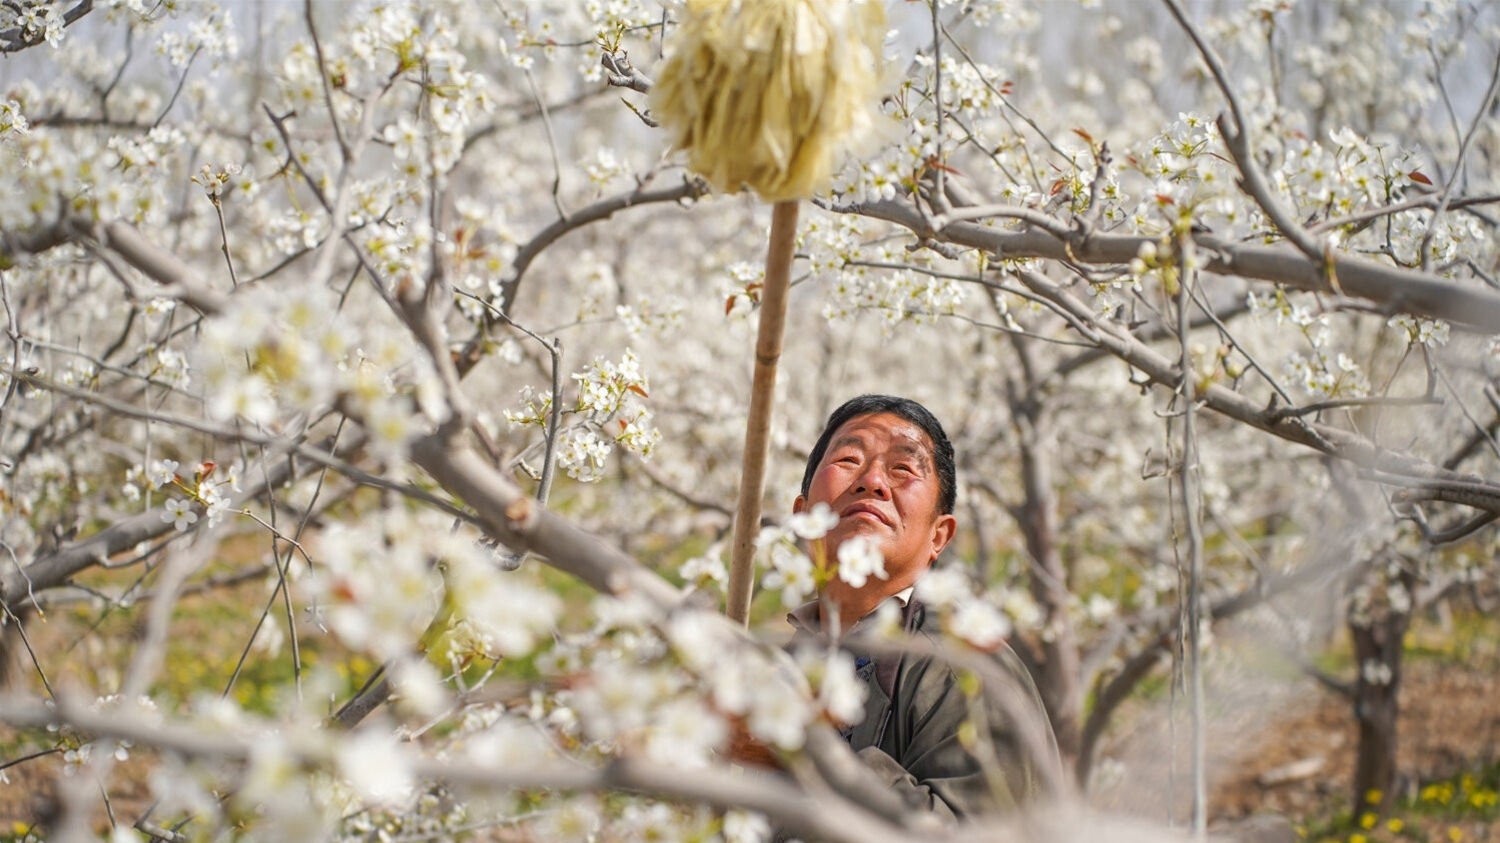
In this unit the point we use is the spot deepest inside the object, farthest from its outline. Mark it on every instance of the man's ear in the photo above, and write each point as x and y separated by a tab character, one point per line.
799	504
943	531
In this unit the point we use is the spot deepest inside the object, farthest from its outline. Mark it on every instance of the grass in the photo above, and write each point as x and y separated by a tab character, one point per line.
1457	808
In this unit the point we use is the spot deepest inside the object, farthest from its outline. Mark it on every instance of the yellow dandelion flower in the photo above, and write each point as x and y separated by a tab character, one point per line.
1373	795
770	94
1356	837
1367	821
1395	824
1455	833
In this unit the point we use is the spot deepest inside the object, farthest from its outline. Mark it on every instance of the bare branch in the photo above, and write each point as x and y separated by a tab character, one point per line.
1395	289
689	189
520	522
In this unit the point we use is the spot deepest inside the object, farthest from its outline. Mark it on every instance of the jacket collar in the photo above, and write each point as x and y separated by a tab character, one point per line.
809	616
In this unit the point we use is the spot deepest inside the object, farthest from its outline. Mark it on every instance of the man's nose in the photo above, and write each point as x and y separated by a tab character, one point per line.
872	481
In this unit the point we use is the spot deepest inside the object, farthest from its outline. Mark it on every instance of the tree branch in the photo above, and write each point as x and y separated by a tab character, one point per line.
1392	288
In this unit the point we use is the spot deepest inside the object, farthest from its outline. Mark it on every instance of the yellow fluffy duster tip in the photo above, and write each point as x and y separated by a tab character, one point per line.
770	94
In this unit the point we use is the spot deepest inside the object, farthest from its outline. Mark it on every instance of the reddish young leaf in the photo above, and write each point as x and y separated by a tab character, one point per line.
1419	177
935	164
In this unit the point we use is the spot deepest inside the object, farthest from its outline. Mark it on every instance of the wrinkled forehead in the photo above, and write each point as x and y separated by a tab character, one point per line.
887	431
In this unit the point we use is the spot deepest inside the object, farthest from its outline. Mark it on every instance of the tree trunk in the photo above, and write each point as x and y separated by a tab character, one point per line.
1060	675
1377	652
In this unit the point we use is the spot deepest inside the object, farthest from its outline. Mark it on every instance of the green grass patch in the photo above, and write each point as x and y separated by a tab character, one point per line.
1455	809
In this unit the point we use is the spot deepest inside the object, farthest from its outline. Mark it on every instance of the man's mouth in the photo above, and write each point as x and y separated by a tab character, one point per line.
865	509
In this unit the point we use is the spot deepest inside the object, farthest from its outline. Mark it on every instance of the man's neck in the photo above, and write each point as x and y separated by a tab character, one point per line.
855	607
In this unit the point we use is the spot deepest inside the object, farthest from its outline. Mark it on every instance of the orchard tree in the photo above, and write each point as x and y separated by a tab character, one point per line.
409	312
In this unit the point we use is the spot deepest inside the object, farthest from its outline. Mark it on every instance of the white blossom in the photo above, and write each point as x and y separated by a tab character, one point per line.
979	623
859	559
813	523
179	513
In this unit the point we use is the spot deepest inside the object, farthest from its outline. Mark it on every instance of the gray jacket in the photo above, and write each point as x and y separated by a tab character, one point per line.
913	733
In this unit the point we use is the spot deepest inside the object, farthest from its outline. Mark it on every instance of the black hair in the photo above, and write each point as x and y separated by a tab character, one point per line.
904	408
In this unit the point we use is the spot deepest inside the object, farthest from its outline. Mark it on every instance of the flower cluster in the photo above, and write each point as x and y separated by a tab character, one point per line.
660	318
795	574
1322	372
11	119
37	21
1425	332
212	34
207	488
609	411
278	351
706	569
378	589
895	295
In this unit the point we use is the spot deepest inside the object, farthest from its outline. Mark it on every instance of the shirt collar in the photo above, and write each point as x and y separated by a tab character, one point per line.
809	616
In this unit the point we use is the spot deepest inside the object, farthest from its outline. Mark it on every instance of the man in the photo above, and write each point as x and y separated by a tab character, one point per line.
885	467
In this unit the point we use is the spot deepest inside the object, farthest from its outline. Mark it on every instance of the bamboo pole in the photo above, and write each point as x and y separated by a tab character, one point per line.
768	344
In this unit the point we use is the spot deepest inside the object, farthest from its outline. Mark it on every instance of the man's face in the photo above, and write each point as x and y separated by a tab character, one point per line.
878	477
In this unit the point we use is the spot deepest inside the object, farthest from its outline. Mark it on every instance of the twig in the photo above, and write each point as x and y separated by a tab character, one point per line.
1045	222
282	575
554	419
689	188
224	241
1461	530
1482	435
155	831
176	92
701	503
1193	520
42	753
1241	307
333	114
1458	164
1478	495
1005	100
1371	214
939	197
536	92
15	619
1335	403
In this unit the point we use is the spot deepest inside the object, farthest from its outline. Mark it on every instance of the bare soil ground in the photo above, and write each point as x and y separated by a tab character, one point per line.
1450	722
1283	743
